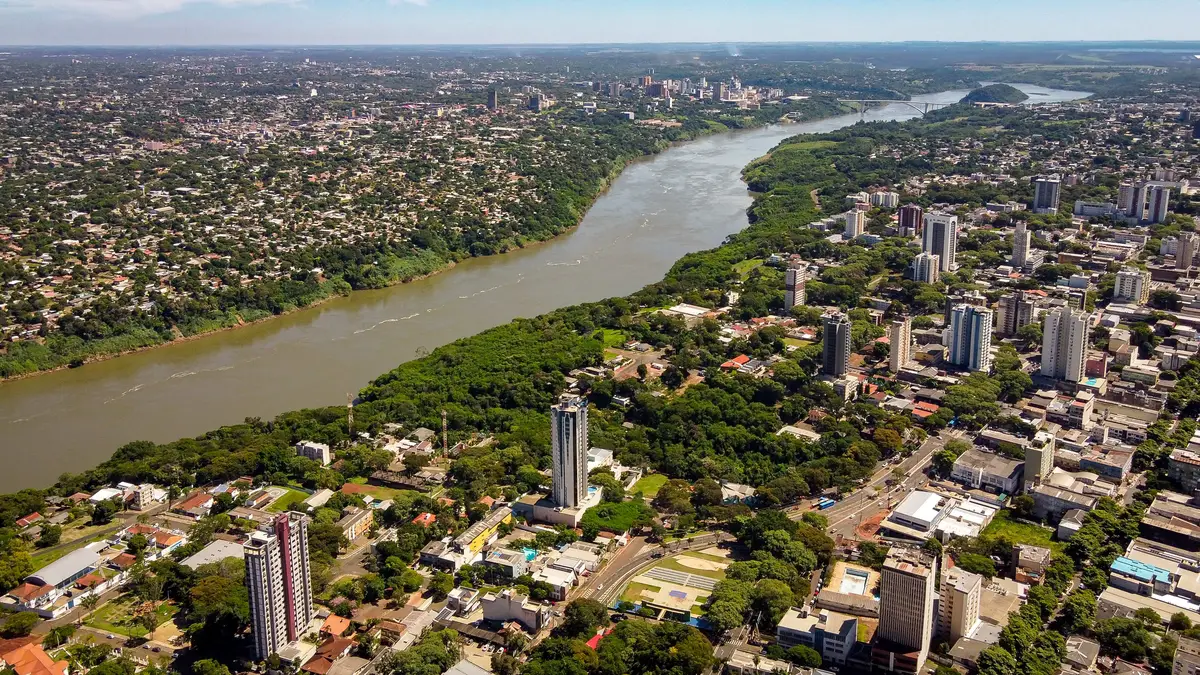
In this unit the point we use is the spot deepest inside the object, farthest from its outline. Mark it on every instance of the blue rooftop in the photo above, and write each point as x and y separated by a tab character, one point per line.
1140	570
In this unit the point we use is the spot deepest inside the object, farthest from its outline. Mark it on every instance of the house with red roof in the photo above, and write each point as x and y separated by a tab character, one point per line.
31	659
425	519
29	519
735	363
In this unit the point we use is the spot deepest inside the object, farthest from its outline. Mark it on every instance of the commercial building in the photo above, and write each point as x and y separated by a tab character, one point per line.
970	338
493	99
958	603
507	605
1187	657
977	469
569	443
906	595
1021	238
836	345
1183	467
1133	286
794	288
926	268
901	339
940	238
1046	192
909	220
1014	312
832	634
1039	459
317	452
1185	252
277	573
1064	342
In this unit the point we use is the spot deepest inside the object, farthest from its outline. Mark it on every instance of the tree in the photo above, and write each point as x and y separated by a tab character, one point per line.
1044	600
1022	506
1078	612
773	598
209	667
1180	622
441	585
103	512
804	656
18	625
51	534
58	636
503	664
996	661
583	616
979	564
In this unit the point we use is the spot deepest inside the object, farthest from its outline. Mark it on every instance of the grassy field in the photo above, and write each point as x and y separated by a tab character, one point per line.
672	564
704	556
287	501
745	267
796	343
115	617
1022	533
650	485
633	592
615	338
44	558
380	492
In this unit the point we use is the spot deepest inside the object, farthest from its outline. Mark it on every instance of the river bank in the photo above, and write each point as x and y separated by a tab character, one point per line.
688	198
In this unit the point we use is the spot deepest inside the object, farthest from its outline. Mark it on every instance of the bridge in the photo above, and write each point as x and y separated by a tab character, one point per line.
922	107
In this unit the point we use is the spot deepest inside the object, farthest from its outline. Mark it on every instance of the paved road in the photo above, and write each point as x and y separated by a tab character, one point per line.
606	584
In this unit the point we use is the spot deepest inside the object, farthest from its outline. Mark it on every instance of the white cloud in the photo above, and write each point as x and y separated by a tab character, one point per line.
124	9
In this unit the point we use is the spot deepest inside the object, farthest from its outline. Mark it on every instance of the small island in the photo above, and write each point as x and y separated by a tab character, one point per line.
996	93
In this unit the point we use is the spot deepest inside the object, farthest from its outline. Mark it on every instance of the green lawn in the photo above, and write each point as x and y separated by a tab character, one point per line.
673	564
115	617
649	485
745	267
704	556
288	501
383	493
796	343
633	592
1022	533
44	558
615	338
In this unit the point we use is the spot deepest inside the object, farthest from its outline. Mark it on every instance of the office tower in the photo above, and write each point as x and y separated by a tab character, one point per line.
1020	254
1064	341
909	219
1133	285
493	99
1196	130
569	448
1187	654
794	281
1015	311
958	605
906	592
836	358
1185	252
1126	195
277	574
940	238
970	338
856	223
925	268
1150	202
720	91
1046	191
901	338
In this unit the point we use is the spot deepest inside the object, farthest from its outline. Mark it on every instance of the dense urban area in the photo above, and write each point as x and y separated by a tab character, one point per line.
934	410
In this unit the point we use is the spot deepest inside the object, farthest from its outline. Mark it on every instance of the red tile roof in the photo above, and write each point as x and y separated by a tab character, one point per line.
31	659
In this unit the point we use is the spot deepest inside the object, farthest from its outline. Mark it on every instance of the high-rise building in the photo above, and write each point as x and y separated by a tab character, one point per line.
1151	201
493	99
836	340
940	238
277	574
720	91
906	593
1126	195
1046	191
970	338
1133	285
569	450
958	604
1064	343
909	220
925	268
856	224
1187	654
900	336
1039	459
1015	311
1020	253
794	282
1185	251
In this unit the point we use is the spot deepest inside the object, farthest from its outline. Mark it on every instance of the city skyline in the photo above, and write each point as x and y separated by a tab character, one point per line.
516	22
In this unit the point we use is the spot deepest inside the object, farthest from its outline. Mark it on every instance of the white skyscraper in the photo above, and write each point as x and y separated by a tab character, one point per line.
926	268
1185	250
569	449
940	238
280	585
901	339
793	288
906	592
856	223
1133	285
958	606
1064	343
1020	252
969	338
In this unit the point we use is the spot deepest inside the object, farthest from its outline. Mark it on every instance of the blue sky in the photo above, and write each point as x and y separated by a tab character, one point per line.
204	22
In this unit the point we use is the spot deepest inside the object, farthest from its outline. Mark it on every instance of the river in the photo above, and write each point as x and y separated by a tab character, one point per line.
686	199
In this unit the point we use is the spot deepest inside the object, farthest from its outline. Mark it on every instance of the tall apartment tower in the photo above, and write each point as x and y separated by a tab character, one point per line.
958	603
940	238
926	268
1126	195
856	224
909	220
1064	343
569	448
277	574
1133	285
1150	202
1015	311
970	338
901	338
794	294
1020	254
1185	250
493	99
836	340
906	592
1046	191
1039	459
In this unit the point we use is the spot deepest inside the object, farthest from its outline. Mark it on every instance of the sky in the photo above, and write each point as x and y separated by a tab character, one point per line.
352	22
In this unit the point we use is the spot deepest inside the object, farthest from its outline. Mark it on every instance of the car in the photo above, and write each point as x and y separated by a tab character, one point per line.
110	636
657	554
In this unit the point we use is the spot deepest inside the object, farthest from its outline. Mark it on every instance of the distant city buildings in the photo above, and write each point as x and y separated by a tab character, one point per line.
277	574
1151	202
836	341
1064	341
569	449
1185	251
940	238
969	338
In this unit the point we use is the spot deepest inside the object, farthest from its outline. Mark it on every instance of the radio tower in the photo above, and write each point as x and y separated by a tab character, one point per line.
445	437
350	417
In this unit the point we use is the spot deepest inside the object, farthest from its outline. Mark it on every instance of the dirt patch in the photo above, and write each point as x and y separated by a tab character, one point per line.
870	526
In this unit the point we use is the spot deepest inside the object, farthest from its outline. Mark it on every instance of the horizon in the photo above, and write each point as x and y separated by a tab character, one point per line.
232	23
709	43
